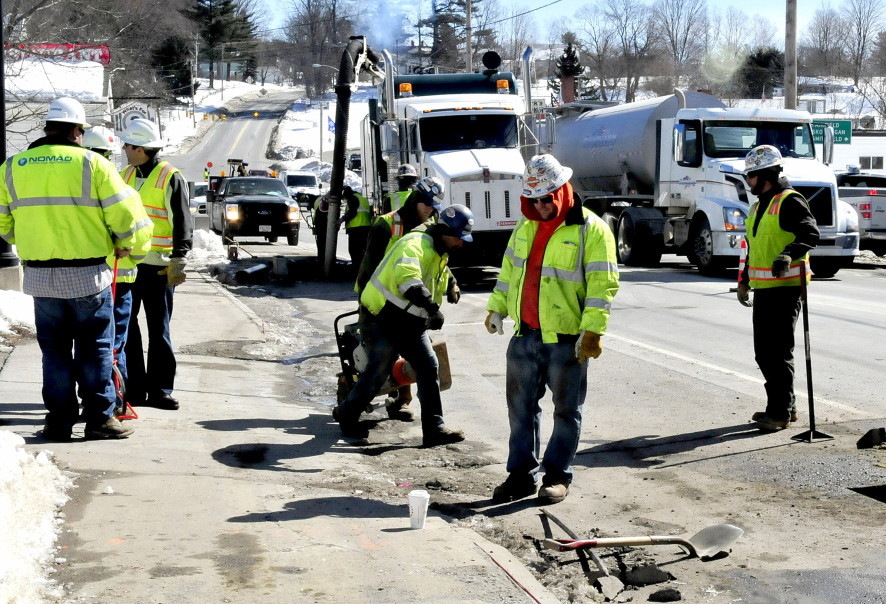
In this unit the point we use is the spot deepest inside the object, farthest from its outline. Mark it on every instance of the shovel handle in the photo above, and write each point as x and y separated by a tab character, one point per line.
564	545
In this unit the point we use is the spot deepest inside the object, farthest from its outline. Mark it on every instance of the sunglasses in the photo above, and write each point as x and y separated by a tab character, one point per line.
545	199
749	176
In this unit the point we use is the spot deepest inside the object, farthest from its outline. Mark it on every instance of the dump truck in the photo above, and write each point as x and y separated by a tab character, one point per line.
666	175
464	128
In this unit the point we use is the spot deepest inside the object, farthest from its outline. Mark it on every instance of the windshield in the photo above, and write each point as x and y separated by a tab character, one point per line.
301	180
257	186
200	190
735	139
467	132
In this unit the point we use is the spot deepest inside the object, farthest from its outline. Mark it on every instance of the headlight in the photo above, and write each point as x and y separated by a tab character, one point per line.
232	211
294	215
734	219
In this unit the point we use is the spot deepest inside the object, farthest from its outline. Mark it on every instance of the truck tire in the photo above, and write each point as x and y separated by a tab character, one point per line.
292	238
824	268
636	244
701	249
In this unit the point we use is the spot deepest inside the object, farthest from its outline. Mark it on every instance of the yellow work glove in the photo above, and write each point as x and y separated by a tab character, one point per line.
495	323
744	295
175	272
588	346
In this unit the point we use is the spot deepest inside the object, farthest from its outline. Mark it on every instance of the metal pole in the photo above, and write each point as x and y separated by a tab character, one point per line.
790	55
469	59
7	258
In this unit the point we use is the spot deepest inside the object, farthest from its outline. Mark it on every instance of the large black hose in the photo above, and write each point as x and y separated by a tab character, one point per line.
346	77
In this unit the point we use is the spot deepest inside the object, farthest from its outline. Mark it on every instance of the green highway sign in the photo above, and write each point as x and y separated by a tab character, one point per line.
842	131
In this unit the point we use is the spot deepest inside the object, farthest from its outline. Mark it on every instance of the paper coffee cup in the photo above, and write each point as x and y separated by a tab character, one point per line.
418	508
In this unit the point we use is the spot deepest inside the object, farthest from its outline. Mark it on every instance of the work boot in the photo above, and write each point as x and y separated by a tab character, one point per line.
398	410
350	428
111	428
553	493
760	414
514	488
161	401
769	424
442	436
55	434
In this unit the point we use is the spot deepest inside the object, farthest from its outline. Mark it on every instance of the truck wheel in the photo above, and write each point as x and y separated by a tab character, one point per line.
635	244
824	268
292	238
701	251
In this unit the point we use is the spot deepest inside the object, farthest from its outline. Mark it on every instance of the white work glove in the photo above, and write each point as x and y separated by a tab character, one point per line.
744	295
495	322
781	265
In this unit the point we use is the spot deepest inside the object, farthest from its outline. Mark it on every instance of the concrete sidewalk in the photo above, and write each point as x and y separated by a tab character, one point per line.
232	498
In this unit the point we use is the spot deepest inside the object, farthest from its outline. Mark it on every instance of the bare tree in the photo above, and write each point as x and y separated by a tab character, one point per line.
822	47
863	20
598	42
314	29
514	33
682	25
634	36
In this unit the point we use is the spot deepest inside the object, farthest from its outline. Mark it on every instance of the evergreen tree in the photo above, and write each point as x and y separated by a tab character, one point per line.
762	69
569	68
224	28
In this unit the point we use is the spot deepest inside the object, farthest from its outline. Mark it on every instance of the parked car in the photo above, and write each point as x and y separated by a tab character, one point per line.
253	206
197	201
866	192
303	185
355	162
259	172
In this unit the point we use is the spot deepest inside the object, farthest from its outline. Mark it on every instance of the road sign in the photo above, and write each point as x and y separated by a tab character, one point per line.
842	131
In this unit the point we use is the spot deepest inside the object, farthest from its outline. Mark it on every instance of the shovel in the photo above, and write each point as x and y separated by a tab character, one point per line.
705	543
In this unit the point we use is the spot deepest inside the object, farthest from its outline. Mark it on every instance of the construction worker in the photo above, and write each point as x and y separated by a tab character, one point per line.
557	281
66	209
357	221
205	173
406	179
781	232
103	141
164	194
422	205
402	301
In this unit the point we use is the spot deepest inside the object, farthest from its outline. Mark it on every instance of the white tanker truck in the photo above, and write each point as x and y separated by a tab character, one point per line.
666	176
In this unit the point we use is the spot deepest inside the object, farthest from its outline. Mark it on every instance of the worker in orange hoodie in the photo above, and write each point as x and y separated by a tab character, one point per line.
557	281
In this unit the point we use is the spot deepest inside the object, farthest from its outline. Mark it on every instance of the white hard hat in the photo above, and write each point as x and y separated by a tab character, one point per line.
762	157
99	137
67	110
544	175
142	133
432	188
406	170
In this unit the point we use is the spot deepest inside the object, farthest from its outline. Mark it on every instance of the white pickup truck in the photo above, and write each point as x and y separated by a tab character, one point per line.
866	192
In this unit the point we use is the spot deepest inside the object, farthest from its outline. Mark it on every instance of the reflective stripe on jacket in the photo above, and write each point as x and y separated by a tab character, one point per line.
579	277
126	267
395	223
411	261
63	202
769	241
363	218
155	198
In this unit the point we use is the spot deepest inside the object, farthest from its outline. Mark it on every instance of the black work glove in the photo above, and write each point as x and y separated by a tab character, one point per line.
435	320
780	265
453	293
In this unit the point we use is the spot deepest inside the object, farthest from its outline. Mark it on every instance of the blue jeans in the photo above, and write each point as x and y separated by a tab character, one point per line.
383	342
150	289
122	311
532	366
75	336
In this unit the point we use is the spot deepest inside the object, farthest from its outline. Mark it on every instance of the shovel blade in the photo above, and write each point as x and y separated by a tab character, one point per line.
712	540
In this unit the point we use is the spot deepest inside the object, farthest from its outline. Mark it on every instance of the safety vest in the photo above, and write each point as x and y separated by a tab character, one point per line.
579	277
363	217
126	267
395	224
153	192
60	202
397	199
411	261
770	241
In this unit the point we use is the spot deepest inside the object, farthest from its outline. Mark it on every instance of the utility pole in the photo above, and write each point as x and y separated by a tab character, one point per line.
790	55
10	267
469	52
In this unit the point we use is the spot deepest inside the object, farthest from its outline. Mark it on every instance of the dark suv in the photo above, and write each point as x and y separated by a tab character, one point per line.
253	207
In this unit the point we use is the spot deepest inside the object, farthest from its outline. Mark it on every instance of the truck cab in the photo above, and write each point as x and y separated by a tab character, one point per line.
253	206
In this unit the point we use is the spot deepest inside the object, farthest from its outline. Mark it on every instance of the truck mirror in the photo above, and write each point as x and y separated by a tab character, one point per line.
390	139
679	138
827	145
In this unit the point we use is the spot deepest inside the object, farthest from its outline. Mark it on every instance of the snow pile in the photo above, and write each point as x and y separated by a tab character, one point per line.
32	489
16	313
206	249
